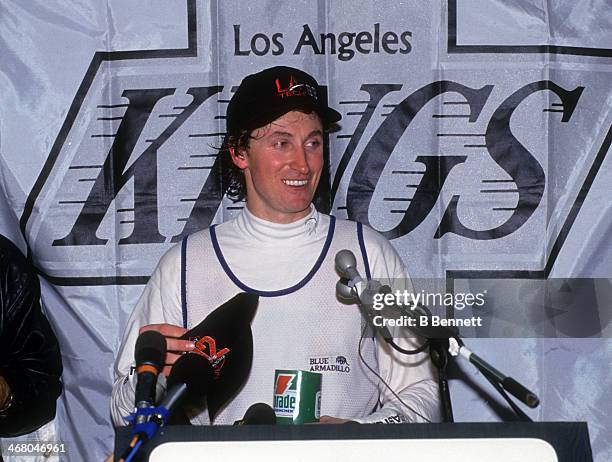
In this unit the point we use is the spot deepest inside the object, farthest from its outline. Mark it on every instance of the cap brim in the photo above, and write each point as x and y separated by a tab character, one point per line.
332	116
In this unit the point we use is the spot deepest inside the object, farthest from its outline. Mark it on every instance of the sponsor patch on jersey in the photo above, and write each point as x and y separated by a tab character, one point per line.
329	364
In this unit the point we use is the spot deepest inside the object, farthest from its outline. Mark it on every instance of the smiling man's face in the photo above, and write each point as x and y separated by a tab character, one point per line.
282	167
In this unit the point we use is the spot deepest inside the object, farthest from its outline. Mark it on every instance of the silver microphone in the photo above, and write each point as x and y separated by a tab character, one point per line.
358	288
346	265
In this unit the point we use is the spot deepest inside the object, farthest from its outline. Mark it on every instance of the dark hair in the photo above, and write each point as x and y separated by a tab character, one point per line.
232	177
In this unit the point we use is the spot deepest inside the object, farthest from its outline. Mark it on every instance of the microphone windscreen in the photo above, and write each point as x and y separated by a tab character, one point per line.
150	348
225	339
344	260
259	414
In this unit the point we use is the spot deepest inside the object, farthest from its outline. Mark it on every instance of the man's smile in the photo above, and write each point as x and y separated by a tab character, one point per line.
295	182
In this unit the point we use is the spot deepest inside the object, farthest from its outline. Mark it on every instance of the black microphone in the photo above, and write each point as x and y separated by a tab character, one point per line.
258	414
225	339
150	355
191	378
357	287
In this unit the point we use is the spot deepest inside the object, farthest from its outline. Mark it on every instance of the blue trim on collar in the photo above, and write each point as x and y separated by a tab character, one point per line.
273	293
364	253
184	280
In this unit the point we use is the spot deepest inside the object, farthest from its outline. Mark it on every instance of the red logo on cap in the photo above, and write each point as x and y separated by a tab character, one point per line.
295	89
207	347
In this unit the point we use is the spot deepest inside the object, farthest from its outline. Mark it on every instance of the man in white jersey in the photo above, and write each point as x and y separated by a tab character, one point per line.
281	248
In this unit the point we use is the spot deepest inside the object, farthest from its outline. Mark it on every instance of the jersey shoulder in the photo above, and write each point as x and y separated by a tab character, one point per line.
371	238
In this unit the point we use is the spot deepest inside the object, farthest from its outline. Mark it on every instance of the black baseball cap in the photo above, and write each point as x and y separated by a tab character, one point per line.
267	95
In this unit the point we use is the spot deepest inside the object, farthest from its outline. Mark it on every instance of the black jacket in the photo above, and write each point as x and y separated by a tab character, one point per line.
30	360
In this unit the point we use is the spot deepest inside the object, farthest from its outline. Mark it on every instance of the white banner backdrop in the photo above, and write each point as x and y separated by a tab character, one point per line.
475	136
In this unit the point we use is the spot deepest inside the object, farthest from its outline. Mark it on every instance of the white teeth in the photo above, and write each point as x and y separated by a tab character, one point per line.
295	182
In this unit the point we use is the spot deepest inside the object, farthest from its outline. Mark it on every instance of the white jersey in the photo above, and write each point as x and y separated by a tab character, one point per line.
299	323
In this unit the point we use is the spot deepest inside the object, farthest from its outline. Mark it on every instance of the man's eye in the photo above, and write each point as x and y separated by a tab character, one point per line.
314	144
281	144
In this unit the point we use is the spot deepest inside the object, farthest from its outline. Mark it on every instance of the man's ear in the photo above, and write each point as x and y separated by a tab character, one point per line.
238	157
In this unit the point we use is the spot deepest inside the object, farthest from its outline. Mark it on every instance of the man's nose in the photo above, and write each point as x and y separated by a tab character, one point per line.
300	161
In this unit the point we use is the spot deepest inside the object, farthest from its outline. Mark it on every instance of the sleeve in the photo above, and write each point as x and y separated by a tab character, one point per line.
30	362
160	303
412	377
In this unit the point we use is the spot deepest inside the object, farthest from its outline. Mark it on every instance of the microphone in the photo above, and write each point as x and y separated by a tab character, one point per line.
224	338
351	285
192	377
357	287
150	355
258	414
346	265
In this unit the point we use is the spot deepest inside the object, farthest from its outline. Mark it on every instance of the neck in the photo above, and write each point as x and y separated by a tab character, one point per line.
276	233
280	218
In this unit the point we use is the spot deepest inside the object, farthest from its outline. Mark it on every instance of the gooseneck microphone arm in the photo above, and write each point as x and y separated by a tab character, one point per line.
439	339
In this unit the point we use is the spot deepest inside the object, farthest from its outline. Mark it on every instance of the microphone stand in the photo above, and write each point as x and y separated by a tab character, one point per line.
438	351
441	339
442	342
502	383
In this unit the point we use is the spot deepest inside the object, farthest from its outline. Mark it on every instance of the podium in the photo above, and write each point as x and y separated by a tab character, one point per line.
509	441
